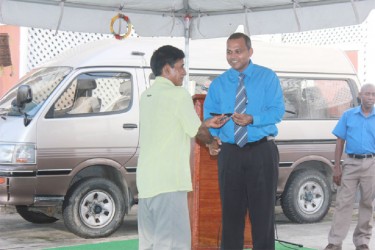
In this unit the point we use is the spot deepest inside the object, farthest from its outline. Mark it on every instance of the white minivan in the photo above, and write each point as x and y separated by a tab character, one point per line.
69	130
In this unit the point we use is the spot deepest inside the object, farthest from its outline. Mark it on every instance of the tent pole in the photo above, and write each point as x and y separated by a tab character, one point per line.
187	52
187	19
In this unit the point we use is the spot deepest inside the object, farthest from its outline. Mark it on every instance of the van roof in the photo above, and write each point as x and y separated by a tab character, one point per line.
205	54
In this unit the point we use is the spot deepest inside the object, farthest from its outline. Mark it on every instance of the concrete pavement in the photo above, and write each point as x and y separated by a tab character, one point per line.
16	233
314	235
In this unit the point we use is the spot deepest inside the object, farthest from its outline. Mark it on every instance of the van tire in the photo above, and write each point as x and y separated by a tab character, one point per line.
33	216
307	197
94	208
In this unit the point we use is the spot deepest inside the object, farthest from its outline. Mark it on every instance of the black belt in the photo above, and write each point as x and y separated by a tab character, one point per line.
363	156
254	143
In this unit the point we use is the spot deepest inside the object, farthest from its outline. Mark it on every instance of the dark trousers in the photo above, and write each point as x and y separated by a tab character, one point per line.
248	182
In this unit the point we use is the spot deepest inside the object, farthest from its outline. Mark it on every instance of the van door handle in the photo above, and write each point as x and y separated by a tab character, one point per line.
129	125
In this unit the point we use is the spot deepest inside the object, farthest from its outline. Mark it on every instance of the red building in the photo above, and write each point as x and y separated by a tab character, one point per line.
9	75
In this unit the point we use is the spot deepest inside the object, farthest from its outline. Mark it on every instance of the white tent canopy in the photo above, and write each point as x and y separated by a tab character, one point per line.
188	18
194	19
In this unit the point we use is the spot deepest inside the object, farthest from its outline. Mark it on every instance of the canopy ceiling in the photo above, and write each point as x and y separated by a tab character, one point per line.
207	18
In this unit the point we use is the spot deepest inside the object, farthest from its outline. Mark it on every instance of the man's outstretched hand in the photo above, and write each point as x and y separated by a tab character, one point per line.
216	121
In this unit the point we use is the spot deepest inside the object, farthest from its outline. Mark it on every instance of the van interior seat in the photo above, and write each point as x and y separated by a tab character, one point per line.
84	101
314	104
125	97
86	105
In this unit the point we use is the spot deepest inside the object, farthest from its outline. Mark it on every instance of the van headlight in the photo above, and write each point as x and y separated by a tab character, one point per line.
22	153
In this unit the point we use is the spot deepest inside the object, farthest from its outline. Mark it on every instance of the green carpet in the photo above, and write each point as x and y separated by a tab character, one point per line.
133	245
113	245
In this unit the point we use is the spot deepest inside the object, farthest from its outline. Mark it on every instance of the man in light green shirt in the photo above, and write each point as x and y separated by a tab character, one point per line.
168	121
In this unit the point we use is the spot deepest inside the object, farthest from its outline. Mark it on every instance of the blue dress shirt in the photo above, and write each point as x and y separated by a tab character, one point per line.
357	130
265	102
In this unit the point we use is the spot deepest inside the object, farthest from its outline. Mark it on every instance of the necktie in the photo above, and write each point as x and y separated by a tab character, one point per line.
240	132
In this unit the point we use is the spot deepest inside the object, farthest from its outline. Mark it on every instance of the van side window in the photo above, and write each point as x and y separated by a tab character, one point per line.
311	99
201	82
198	83
93	93
316	98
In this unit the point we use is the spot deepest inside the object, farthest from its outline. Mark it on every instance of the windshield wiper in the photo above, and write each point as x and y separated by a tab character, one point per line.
3	113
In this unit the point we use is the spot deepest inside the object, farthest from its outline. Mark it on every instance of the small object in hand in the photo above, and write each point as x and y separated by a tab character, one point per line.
226	114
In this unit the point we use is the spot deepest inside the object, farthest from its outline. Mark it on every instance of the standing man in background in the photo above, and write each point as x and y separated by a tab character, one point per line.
356	128
168	121
248	159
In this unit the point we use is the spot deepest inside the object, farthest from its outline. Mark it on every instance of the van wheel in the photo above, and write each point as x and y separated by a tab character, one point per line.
93	208
307	197
33	216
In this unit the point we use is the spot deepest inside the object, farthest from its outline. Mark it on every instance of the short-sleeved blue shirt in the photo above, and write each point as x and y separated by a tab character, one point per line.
265	101
357	130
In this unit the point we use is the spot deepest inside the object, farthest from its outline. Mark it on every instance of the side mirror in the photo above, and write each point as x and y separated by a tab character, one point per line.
24	95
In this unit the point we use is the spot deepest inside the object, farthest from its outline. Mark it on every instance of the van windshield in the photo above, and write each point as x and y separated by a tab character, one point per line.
42	82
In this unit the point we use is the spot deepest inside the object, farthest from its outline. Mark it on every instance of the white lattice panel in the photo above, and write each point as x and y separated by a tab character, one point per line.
107	91
67	98
46	44
347	38
342	35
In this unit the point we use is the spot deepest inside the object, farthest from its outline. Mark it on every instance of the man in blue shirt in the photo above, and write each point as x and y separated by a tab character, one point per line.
356	128
247	173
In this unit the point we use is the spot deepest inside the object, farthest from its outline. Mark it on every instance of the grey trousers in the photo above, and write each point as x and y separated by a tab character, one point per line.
357	173
163	222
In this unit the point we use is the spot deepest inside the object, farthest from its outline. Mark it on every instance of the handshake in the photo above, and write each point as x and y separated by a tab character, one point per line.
214	146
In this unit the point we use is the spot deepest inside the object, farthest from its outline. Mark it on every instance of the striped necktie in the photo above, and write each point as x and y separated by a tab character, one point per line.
240	132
